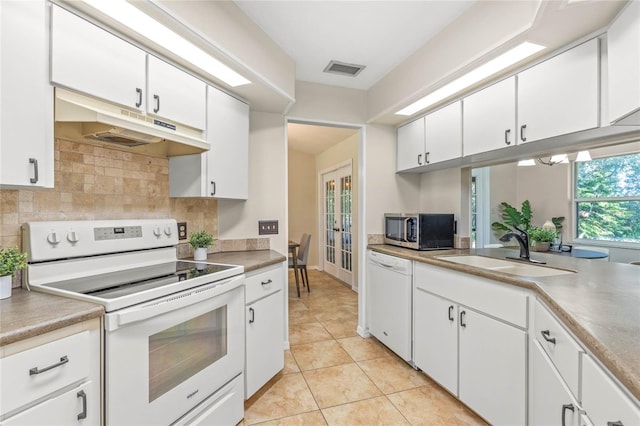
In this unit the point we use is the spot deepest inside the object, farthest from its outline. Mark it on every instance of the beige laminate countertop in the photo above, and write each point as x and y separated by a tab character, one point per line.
28	314
600	303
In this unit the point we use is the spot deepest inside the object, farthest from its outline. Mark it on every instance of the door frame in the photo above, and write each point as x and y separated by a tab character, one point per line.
320	194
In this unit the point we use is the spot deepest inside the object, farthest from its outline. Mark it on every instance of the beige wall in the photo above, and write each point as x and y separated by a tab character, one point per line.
386	191
303	207
267	185
329	104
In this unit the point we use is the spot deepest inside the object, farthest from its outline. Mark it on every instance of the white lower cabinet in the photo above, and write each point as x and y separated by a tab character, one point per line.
552	403
603	400
479	358
264	318
53	379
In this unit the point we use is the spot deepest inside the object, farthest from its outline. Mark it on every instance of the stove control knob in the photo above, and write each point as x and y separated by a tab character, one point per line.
167	230
156	231
52	238
72	237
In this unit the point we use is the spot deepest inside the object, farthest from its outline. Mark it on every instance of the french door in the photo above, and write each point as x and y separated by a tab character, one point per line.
337	223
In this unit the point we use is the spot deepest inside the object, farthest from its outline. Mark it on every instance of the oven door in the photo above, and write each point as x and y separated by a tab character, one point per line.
164	357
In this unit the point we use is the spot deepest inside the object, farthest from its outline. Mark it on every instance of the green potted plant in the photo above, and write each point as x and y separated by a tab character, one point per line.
11	260
512	217
541	238
200	241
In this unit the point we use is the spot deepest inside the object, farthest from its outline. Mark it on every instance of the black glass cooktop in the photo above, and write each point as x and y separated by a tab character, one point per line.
122	283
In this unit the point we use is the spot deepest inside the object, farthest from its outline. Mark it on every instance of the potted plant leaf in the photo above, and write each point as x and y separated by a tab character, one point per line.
200	241
11	260
541	238
512	217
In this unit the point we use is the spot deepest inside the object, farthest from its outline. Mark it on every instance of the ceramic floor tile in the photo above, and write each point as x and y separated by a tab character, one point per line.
432	406
335	313
344	328
296	306
338	385
376	411
361	349
302	317
319	355
307	333
288	395
315	418
290	365
391	374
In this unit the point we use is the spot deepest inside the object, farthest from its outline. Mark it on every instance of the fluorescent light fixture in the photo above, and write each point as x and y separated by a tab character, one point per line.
583	156
138	21
527	162
495	65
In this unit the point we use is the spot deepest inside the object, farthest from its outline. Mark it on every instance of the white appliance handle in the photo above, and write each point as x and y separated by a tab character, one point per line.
144	311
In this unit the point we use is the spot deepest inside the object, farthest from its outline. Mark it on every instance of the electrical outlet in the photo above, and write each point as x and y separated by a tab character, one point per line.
267	227
182	230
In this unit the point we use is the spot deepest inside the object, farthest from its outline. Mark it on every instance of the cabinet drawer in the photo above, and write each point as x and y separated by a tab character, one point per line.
603	399
502	301
264	282
34	373
562	349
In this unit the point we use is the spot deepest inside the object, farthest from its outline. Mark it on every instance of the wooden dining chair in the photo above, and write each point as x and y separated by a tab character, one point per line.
303	254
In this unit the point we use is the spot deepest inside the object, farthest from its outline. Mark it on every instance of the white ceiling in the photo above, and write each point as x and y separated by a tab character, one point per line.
377	34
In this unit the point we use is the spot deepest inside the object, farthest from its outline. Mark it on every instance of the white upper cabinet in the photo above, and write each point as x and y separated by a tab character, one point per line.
443	134
223	171
175	95
410	145
623	42
561	95
26	97
490	118
88	59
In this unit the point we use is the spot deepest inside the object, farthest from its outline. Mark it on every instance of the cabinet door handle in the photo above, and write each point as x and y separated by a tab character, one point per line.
419	159
426	157
566	407
506	137
462	315
36	370
618	423
139	101
545	334
34	161
451	313
269	281
157	99
213	188
83	396
524	126
252	312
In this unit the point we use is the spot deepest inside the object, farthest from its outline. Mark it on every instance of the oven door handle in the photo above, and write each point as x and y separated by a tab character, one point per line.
144	311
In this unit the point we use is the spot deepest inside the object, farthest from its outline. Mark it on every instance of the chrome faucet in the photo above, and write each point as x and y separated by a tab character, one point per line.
523	240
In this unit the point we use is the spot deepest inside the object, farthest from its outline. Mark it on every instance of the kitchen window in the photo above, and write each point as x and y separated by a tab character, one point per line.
607	199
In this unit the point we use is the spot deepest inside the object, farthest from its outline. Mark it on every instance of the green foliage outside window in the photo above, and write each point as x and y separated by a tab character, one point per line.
607	194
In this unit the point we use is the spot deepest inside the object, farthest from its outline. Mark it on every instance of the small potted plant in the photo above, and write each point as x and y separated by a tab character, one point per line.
541	238
11	260
200	241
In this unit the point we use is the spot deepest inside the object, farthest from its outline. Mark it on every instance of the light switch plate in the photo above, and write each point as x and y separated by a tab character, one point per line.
267	227
182	230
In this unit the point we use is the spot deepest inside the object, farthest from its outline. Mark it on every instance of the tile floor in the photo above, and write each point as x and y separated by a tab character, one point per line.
332	376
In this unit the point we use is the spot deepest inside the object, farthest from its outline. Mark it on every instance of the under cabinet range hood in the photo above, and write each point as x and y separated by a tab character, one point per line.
105	122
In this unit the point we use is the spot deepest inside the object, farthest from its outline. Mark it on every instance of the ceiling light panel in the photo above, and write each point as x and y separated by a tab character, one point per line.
138	21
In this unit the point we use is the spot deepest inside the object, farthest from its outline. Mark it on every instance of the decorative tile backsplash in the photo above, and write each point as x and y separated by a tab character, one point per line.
100	182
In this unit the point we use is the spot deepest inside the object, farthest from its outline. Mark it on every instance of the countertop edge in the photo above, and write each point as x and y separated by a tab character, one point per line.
599	350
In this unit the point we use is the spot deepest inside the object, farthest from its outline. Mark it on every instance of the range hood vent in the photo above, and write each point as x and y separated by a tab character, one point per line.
342	68
110	123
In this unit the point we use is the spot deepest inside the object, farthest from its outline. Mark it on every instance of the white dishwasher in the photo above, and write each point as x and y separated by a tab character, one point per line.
389	301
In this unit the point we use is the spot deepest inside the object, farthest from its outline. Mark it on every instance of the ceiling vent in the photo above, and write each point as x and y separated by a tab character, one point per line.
342	68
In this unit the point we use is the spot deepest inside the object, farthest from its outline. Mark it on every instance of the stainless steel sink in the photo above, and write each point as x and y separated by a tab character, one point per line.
506	266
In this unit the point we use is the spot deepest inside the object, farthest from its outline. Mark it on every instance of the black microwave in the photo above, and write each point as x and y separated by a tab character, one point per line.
419	231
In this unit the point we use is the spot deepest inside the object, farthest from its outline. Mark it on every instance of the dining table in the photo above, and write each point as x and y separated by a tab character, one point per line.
293	249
